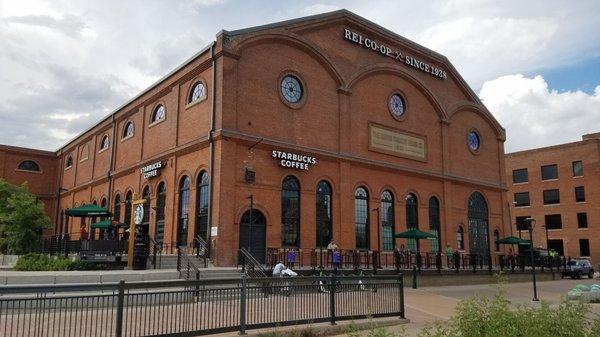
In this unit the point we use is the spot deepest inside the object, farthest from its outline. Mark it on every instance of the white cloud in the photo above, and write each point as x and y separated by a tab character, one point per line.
536	116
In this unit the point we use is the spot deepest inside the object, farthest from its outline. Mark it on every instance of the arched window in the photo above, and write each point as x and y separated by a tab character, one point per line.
434	224
146	192
496	239
117	208
161	198
158	114
29	165
386	212
323	214
460	238
361	218
128	200
478	226
69	161
202	194
412	219
197	93
105	143
290	211
128	130
184	208
103	203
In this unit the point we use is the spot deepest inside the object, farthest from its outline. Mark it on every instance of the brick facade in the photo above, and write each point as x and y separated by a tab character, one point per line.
346	91
563	156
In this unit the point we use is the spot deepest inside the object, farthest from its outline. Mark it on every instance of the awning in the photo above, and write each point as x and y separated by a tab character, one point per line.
512	240
89	210
104	224
414	233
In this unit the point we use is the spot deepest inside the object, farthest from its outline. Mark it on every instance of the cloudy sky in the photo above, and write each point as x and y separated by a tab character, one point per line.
66	64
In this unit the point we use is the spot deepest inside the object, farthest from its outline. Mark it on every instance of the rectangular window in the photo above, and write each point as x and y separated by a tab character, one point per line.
549	172
553	221
557	246
522	199
521	223
582	220
579	194
551	197
520	176
584	247
577	169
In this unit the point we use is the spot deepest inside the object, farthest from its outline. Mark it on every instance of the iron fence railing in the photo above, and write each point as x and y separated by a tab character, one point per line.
188	308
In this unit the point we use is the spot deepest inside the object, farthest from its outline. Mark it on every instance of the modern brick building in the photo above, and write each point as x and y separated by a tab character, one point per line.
558	187
324	123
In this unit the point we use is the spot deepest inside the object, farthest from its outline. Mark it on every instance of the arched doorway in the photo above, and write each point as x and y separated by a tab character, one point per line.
253	234
478	226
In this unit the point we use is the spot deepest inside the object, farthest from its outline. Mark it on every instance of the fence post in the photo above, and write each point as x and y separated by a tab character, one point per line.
332	299
120	304
243	305
401	294
178	260
414	277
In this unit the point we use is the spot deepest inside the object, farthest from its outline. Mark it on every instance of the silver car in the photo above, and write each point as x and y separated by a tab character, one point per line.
578	268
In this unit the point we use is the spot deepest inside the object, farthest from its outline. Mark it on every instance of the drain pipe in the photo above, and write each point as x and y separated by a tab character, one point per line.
211	147
111	168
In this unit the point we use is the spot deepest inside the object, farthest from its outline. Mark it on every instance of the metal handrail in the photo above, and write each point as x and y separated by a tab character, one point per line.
184	259
201	249
250	266
156	249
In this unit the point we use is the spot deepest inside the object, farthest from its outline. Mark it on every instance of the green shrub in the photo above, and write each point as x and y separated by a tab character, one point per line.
41	262
490	317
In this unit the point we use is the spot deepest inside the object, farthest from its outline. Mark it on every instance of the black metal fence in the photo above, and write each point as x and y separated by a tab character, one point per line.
188	308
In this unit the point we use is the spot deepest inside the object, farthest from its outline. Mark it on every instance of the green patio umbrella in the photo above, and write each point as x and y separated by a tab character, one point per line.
512	240
415	233
104	224
88	210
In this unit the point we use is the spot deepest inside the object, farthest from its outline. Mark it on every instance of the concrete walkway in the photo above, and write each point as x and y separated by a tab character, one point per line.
91	276
429	304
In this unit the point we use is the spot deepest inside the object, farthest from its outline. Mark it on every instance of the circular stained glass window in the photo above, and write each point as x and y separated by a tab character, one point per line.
397	106
473	141
291	89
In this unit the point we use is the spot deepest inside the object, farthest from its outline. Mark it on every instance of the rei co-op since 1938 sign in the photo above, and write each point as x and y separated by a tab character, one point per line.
399	56
293	160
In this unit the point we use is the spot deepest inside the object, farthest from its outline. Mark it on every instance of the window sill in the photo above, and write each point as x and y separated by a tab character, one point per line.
28	171
582	229
83	159
523	183
126	138
104	150
68	167
550	205
577	177
525	206
580	202
156	122
555	230
196	102
554	179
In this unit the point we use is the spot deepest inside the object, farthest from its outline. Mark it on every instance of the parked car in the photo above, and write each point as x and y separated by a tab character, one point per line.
578	268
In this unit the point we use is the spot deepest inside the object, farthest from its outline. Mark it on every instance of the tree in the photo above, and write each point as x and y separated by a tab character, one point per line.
22	218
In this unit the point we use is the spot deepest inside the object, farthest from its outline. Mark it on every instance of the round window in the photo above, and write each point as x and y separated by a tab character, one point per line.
291	89
473	141
397	106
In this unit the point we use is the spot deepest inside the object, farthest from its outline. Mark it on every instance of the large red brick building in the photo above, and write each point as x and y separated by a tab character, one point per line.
324	123
558	187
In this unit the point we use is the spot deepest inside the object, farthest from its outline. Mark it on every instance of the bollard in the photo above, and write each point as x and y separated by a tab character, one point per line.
414	278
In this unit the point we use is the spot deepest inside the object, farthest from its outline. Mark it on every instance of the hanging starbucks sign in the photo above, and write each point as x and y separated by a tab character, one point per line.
293	160
152	170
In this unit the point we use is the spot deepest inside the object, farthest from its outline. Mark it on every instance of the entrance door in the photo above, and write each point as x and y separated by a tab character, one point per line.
478	226
253	234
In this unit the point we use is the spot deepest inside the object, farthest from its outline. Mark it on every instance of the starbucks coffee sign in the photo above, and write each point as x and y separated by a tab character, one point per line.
152	170
293	160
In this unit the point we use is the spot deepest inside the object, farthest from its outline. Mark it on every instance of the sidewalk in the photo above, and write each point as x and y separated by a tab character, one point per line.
91	276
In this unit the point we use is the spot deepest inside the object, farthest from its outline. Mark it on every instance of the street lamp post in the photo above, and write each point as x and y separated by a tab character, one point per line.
530	225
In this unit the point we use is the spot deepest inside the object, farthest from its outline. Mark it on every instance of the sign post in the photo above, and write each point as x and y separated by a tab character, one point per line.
137	215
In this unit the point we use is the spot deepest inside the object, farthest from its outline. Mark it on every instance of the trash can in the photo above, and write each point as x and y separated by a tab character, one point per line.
140	255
